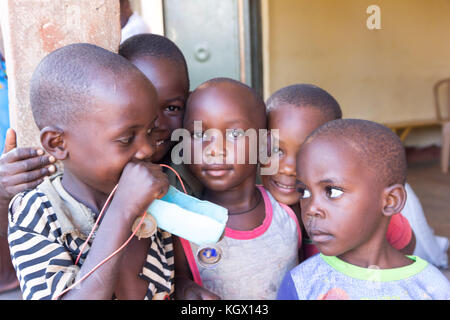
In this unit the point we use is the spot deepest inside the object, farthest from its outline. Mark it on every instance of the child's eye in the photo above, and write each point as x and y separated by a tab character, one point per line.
127	140
235	134
333	192
198	135
276	150
304	193
173	108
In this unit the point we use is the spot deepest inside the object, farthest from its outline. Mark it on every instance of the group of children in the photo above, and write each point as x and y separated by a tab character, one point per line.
108	118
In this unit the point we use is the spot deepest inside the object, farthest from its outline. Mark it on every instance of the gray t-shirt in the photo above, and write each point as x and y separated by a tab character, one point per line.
330	278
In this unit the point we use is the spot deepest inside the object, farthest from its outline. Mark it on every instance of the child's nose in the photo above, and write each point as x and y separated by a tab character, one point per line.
216	147
312	208
146	150
288	166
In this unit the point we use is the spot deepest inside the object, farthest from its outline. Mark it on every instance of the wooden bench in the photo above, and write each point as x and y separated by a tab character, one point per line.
403	128
442	119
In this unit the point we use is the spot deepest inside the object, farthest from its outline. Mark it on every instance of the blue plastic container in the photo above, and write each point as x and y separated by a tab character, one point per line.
201	222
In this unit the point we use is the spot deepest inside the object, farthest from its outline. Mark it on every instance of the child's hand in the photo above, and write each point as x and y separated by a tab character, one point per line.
193	291
141	182
22	168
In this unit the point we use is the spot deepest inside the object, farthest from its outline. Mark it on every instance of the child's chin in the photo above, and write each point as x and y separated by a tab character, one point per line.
160	153
218	185
285	198
327	250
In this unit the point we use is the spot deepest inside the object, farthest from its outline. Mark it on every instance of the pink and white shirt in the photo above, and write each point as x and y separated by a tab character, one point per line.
252	263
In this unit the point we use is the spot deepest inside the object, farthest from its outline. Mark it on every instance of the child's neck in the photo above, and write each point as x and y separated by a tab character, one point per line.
236	199
376	252
244	199
93	199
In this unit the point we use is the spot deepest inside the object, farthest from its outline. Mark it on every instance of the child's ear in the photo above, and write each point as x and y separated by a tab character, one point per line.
394	199
52	139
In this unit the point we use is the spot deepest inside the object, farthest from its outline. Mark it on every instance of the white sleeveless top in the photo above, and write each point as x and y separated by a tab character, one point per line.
252	263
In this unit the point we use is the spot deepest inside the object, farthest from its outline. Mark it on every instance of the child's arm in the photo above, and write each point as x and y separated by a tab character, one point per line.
287	290
139	185
185	287
44	265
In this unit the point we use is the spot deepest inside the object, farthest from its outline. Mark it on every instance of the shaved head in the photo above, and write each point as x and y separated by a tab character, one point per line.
306	95
62	85
375	145
156	46
255	101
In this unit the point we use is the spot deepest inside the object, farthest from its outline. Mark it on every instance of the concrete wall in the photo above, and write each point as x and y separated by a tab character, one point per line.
380	75
34	28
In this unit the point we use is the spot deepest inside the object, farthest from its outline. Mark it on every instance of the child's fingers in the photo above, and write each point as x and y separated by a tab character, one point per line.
160	180
10	140
164	186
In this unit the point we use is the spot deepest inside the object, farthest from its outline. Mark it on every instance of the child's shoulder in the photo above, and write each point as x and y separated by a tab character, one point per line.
434	281
28	203
308	272
313	266
271	199
34	209
280	210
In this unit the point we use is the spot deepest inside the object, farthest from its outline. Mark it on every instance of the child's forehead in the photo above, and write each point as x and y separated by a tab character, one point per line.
302	113
329	155
223	90
340	148
164	73
161	64
115	114
127	83
295	122
231	101
130	89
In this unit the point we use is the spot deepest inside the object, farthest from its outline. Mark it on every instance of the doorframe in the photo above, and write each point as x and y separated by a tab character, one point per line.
255	40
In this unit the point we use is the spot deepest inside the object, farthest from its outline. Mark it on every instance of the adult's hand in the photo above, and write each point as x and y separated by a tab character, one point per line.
21	168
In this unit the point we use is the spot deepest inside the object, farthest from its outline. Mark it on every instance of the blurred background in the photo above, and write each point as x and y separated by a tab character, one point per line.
388	64
385	75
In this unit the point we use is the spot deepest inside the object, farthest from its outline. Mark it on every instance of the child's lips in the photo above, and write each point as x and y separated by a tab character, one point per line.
319	236
161	137
217	170
161	142
284	187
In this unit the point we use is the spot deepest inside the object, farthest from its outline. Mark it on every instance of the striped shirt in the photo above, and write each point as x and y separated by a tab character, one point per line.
47	228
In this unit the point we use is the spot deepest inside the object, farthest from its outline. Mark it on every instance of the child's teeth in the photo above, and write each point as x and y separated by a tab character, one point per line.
285	186
160	142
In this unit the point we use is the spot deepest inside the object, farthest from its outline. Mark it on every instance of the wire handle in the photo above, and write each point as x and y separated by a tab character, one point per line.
142	219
